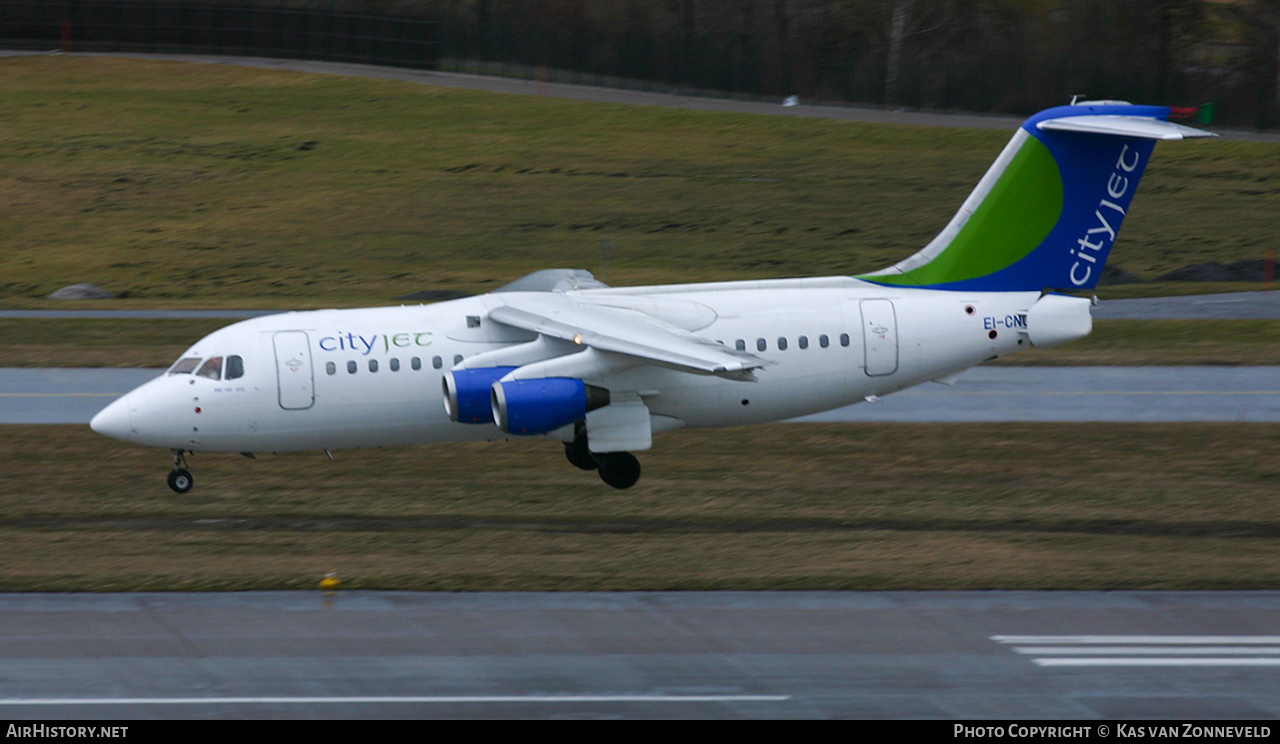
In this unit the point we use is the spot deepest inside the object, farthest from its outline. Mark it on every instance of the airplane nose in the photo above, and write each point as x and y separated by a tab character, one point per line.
113	421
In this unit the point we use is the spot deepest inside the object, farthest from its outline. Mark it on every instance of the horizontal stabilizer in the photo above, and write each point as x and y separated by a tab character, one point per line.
1124	126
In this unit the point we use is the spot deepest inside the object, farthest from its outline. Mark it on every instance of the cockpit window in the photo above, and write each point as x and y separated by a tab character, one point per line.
185	366
211	369
235	367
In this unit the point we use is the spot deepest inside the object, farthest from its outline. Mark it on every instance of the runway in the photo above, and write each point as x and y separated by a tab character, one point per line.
1222	306
56	395
1115	394
377	655
1138	394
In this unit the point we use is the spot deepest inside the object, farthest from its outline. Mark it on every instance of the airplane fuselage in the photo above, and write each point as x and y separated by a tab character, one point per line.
561	355
373	377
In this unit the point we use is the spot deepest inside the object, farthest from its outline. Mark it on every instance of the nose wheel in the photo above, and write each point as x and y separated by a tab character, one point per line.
180	479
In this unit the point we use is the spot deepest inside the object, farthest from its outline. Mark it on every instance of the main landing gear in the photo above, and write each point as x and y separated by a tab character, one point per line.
618	469
180	479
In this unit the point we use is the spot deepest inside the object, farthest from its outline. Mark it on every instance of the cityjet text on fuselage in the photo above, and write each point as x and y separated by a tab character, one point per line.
1097	240
365	344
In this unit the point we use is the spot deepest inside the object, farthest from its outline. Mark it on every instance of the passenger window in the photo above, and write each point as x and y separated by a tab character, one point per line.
211	369
416	363
395	364
761	345
330	368
457	358
823	341
782	343
740	345
235	367
804	342
351	368
436	362
373	365
844	339
184	366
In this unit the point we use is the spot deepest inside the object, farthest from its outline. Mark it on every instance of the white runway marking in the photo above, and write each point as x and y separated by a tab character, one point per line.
1147	650
1145	640
417	699
1156	662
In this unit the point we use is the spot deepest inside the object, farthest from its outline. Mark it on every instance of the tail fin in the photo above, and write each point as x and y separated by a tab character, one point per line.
1048	210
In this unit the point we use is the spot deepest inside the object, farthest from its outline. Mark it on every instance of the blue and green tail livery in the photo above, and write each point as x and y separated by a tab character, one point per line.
1048	211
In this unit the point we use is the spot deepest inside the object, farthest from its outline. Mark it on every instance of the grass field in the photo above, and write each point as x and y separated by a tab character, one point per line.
200	185
786	506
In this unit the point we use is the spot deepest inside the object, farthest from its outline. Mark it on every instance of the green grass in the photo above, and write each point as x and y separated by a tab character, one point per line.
64	342
202	185
788	506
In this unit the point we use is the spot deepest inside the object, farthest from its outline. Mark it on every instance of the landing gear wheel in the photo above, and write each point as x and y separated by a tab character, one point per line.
180	480
619	469
580	456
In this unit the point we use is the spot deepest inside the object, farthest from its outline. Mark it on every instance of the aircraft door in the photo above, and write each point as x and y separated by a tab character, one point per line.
880	337
293	370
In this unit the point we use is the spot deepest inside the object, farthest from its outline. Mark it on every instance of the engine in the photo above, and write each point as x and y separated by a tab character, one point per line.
466	393
530	407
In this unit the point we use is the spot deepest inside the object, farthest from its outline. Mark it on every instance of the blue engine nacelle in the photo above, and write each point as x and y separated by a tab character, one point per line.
466	393
539	406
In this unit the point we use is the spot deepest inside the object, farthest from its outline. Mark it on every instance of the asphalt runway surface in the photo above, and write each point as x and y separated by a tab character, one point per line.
1138	394
383	655
1224	306
1115	394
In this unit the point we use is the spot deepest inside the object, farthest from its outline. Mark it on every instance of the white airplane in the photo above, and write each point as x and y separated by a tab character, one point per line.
603	369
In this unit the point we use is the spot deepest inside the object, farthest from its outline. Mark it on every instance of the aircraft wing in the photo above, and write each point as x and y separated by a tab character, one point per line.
625	332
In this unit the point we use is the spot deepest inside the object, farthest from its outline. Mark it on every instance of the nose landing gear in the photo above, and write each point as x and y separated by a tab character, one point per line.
180	479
